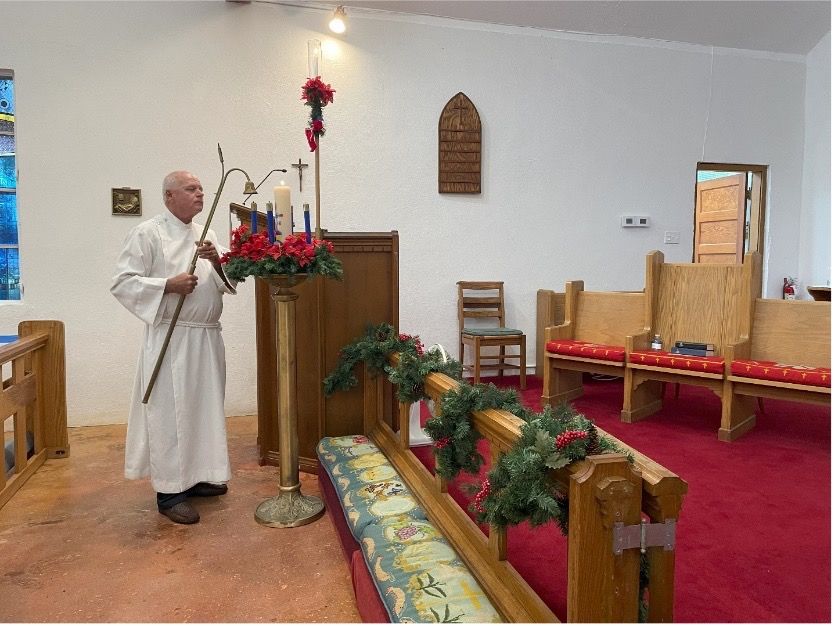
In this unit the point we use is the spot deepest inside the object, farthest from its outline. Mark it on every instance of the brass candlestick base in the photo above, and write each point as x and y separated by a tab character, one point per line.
289	508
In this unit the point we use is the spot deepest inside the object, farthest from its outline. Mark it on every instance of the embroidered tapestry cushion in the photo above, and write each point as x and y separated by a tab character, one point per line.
660	358
420	577
781	372
586	349
368	487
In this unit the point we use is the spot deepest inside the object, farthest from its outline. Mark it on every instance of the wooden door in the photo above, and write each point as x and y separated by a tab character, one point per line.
719	219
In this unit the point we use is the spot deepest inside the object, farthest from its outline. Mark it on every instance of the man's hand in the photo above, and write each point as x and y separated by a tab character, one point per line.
182	284
209	252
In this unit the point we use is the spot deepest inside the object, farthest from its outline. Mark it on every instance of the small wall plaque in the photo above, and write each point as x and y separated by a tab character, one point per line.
459	142
126	201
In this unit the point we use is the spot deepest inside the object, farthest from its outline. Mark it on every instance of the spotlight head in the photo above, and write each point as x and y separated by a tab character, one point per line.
337	23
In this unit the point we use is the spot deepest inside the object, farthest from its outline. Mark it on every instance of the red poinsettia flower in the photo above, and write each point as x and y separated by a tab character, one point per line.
315	90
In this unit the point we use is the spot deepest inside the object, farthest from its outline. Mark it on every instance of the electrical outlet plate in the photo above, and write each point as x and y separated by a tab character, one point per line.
672	236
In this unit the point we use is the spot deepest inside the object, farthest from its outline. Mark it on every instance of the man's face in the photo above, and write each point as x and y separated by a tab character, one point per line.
185	198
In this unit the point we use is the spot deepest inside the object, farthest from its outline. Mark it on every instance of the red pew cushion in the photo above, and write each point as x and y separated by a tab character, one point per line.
660	358
599	351
770	370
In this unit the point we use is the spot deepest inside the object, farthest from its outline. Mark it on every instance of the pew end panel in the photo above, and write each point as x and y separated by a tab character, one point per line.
36	398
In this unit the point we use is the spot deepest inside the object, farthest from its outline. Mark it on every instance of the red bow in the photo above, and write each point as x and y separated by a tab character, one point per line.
311	139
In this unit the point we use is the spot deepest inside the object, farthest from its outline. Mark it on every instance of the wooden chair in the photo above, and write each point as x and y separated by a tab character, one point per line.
486	300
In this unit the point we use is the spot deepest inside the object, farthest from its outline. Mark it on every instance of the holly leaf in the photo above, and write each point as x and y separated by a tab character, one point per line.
556	460
544	442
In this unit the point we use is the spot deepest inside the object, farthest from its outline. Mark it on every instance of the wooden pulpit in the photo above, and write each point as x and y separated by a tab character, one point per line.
329	315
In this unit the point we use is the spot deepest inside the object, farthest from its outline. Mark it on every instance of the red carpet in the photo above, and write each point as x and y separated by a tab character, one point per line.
754	538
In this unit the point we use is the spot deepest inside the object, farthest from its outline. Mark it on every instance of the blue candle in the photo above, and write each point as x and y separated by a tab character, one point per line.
254	218
307	223
270	223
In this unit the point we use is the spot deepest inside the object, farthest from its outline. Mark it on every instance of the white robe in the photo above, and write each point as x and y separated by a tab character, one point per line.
179	437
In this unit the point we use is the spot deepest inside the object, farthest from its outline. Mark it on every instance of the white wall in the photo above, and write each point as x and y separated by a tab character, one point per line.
577	130
815	219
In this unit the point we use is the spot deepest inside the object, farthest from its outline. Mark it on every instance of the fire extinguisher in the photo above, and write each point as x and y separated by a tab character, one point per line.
788	289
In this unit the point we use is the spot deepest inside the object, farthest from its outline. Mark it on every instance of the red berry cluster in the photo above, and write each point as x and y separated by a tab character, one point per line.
563	440
418	345
481	496
442	442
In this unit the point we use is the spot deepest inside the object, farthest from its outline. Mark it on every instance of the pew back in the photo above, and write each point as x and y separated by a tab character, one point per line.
791	331
607	317
700	302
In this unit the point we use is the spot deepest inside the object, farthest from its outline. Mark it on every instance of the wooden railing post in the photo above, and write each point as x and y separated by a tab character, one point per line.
372	404
48	366
602	586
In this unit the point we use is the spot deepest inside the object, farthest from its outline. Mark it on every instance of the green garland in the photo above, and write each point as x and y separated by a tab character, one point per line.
375	349
455	439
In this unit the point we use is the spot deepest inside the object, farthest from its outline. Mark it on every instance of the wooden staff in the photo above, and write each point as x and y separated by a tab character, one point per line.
191	269
318	189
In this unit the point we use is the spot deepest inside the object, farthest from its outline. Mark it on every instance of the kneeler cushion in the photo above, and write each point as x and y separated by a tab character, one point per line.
569	347
781	372
420	577
660	358
368	487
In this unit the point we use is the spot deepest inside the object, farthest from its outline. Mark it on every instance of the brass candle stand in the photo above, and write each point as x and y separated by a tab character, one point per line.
290	507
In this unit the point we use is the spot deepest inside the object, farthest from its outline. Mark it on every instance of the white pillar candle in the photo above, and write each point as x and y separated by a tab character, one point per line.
282	209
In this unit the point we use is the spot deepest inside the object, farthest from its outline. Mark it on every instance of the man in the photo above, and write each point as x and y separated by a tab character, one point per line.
179	437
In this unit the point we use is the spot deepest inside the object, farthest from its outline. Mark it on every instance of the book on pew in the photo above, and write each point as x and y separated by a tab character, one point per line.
694	345
692	351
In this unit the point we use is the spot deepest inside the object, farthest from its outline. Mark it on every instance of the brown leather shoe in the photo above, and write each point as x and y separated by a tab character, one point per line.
181	513
207	490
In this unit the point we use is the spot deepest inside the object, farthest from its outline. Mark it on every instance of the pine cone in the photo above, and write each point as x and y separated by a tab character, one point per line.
593	441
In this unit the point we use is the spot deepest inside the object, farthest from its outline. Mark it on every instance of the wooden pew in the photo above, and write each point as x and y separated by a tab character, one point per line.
688	302
604	491
790	332
36	396
601	318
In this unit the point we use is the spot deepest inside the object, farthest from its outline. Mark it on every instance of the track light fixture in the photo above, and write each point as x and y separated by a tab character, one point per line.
337	23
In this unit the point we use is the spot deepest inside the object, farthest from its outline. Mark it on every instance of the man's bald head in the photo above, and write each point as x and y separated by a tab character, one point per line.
183	195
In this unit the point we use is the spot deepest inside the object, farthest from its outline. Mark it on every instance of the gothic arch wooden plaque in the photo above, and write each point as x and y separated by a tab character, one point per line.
459	142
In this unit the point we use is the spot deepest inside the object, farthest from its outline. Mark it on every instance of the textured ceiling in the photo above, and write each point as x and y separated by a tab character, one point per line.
787	26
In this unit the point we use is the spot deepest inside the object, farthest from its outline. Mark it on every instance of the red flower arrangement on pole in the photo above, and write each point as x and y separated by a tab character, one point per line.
251	254
316	94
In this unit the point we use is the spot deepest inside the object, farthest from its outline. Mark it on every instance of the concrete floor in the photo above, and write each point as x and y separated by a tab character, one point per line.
79	543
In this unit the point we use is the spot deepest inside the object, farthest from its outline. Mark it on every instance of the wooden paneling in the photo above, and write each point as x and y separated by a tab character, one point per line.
607	317
329	315
459	147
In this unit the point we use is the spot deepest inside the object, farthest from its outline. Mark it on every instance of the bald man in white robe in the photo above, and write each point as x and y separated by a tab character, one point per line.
179	437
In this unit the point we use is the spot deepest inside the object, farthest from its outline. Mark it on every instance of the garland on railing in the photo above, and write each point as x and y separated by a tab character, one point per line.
519	487
375	348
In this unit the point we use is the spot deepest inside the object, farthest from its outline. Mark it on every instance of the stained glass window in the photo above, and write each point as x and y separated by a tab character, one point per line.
9	254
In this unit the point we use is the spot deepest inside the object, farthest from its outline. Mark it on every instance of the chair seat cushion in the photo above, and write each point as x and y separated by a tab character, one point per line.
491	332
782	372
661	358
603	352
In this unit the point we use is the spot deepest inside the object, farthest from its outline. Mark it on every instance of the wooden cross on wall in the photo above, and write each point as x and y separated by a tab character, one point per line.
300	167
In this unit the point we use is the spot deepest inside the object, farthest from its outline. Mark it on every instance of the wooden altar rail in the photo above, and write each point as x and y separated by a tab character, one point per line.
602	489
36	396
